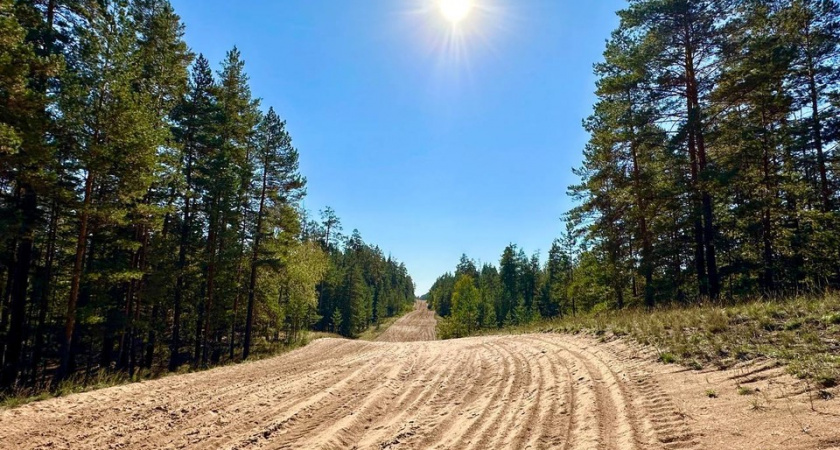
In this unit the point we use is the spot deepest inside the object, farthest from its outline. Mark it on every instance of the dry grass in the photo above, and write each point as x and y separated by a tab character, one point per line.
77	384
801	332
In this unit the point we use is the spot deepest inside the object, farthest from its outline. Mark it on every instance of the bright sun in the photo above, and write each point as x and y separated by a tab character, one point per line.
455	10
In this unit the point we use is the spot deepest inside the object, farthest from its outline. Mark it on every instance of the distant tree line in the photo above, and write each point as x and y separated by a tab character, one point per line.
520	290
711	172
150	209
361	286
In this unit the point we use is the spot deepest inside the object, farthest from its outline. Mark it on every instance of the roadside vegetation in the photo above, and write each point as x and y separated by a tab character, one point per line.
103	378
99	379
802	333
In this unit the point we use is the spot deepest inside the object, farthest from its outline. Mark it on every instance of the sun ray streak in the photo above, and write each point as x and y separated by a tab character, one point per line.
455	48
455	10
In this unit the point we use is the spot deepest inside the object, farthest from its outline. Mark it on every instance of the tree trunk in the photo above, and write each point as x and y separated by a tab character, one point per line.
211	274
44	295
766	222
252	284
134	334
109	338
698	144
28	205
199	325
51	239
5	303
126	333
75	282
239	270
641	203
699	248
709	230
151	340
186	225
816	127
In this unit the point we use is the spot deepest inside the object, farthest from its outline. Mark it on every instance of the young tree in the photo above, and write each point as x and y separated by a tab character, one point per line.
556	273
305	269
509	272
465	305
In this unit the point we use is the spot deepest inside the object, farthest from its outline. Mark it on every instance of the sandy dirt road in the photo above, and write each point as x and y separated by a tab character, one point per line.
418	325
526	391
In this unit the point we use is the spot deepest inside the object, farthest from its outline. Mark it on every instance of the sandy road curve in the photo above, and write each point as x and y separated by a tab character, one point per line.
531	391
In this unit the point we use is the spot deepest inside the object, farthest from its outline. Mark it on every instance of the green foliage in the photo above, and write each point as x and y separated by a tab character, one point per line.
15	60
667	358
465	306
335	320
711	393
707	173
362	287
307	264
519	292
743	390
151	213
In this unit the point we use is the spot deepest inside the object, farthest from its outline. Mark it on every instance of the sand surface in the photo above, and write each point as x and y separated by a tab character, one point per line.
411	392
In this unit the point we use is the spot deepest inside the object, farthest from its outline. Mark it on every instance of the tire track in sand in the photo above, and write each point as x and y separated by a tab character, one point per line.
407	391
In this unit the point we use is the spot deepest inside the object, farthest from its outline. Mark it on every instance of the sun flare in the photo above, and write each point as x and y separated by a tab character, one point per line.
455	10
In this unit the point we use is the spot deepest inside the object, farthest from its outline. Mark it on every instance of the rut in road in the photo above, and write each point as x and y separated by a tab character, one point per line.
528	391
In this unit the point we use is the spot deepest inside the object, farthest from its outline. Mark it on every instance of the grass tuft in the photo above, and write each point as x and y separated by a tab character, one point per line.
667	358
743	390
711	393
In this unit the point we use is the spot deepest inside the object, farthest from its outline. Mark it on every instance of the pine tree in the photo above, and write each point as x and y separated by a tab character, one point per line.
114	130
509	277
812	28
164	59
134	200
465	305
195	132
754	128
20	155
489	289
681	40
225	180
556	272
281	187
332	226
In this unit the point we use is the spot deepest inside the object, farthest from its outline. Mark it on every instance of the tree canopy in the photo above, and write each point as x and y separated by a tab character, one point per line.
151	208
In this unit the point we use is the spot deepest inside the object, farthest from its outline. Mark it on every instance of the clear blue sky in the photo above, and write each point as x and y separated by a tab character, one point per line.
432	140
